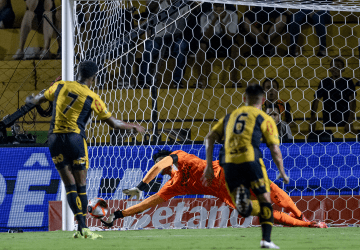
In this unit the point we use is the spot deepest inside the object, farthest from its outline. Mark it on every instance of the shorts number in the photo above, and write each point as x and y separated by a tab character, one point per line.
240	123
73	97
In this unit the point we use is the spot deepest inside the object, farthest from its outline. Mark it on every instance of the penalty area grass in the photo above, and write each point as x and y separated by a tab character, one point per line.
345	238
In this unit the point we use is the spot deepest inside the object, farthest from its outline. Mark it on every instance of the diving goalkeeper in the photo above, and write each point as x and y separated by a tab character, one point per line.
185	180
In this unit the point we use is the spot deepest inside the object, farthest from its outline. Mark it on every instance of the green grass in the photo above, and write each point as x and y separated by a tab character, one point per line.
227	238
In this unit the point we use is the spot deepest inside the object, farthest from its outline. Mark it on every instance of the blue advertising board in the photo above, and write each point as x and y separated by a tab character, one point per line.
28	178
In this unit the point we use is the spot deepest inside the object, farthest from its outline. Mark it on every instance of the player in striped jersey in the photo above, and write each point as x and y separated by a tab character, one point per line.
73	103
243	131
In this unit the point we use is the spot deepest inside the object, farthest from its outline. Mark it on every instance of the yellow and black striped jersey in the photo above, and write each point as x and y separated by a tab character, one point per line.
243	130
73	103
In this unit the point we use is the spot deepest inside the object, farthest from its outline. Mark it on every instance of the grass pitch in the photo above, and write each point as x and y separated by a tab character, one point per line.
227	238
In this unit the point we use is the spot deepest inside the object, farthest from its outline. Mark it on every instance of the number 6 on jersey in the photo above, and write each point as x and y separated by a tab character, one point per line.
240	123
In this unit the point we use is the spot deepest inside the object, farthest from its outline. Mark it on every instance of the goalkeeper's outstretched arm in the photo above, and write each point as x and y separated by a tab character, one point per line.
152	201
153	172
136	191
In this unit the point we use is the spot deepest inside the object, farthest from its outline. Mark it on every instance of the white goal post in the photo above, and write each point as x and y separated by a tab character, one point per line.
67	71
321	170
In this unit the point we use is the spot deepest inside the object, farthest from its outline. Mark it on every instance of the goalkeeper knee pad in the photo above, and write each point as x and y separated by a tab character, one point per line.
243	202
266	215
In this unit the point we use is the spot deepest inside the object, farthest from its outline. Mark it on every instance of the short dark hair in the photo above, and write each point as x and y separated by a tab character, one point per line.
270	80
337	59
254	90
161	153
87	69
272	106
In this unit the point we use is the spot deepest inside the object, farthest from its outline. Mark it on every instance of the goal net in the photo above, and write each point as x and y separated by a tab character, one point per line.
176	67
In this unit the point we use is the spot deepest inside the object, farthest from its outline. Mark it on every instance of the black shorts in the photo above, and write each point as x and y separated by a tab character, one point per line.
250	174
263	15
69	150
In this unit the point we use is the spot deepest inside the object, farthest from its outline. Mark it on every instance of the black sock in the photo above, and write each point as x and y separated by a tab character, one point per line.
75	205
266	218
83	198
266	232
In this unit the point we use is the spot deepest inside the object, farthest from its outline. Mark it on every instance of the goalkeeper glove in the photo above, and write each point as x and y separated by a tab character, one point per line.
110	222
136	191
132	192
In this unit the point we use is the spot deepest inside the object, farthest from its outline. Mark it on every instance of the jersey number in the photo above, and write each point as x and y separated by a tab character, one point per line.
73	97
240	123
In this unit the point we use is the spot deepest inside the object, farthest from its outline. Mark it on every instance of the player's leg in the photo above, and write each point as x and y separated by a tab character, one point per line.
58	26
282	199
72	195
80	164
47	29
284	218
237	186
287	220
26	26
80	179
60	157
260	184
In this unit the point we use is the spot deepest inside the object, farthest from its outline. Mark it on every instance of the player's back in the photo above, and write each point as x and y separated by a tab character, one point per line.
73	103
243	130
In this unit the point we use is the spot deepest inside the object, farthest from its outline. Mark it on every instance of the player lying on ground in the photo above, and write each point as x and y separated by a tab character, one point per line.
191	184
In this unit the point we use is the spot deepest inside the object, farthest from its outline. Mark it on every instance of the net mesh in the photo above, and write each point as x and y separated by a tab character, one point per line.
173	69
29	68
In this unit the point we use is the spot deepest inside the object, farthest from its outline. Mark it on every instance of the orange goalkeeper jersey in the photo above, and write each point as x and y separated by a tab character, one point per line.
185	178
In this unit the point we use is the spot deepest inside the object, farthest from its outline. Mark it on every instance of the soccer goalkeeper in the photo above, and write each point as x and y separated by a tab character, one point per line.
186	180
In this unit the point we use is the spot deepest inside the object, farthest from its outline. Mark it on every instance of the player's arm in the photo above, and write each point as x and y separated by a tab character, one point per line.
271	137
157	168
118	124
210	140
36	99
214	135
44	95
153	172
103	114
278	160
152	201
